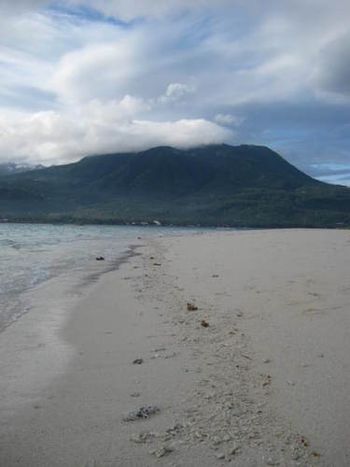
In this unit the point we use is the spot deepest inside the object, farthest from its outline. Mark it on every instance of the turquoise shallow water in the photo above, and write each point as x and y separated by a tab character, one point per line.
33	253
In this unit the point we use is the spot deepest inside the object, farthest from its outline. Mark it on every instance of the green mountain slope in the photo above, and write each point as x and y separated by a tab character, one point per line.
247	186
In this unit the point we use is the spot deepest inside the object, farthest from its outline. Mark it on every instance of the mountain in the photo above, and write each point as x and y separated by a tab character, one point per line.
12	167
245	186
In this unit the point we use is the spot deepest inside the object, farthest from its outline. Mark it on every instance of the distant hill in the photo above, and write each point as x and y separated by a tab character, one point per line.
243	186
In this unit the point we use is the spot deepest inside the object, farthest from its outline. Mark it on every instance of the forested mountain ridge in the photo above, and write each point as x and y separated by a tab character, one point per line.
243	186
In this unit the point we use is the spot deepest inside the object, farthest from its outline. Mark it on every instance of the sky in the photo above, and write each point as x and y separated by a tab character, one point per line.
82	77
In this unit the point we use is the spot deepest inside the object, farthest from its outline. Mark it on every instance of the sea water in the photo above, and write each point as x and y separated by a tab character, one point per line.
33	253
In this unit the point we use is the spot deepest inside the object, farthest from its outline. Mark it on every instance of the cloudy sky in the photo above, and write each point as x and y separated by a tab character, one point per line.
97	76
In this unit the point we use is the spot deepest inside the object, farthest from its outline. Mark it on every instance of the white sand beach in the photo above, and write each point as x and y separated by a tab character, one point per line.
258	375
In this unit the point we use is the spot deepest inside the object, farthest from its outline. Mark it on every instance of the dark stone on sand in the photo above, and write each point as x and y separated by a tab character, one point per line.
138	361
141	413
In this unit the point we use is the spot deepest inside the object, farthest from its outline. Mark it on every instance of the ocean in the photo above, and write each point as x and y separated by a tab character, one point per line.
34	253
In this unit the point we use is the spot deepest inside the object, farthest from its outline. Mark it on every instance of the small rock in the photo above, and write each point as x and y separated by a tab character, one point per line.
304	441
216	440
138	361
156	264
246	356
199	435
141	438
191	307
233	451
267	360
135	394
220	455
204	323
161	452
291	383
215	275
141	413
169	355
267	381
100	258
166	356
177	428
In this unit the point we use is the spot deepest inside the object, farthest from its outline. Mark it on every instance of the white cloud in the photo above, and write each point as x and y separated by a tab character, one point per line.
17	6
228	120
176	92
97	71
182	133
52	137
73	83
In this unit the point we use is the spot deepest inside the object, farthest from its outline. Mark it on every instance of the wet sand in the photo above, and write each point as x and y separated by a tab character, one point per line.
257	375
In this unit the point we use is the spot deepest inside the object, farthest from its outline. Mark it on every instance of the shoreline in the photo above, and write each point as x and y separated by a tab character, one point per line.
28	295
157	224
250	388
